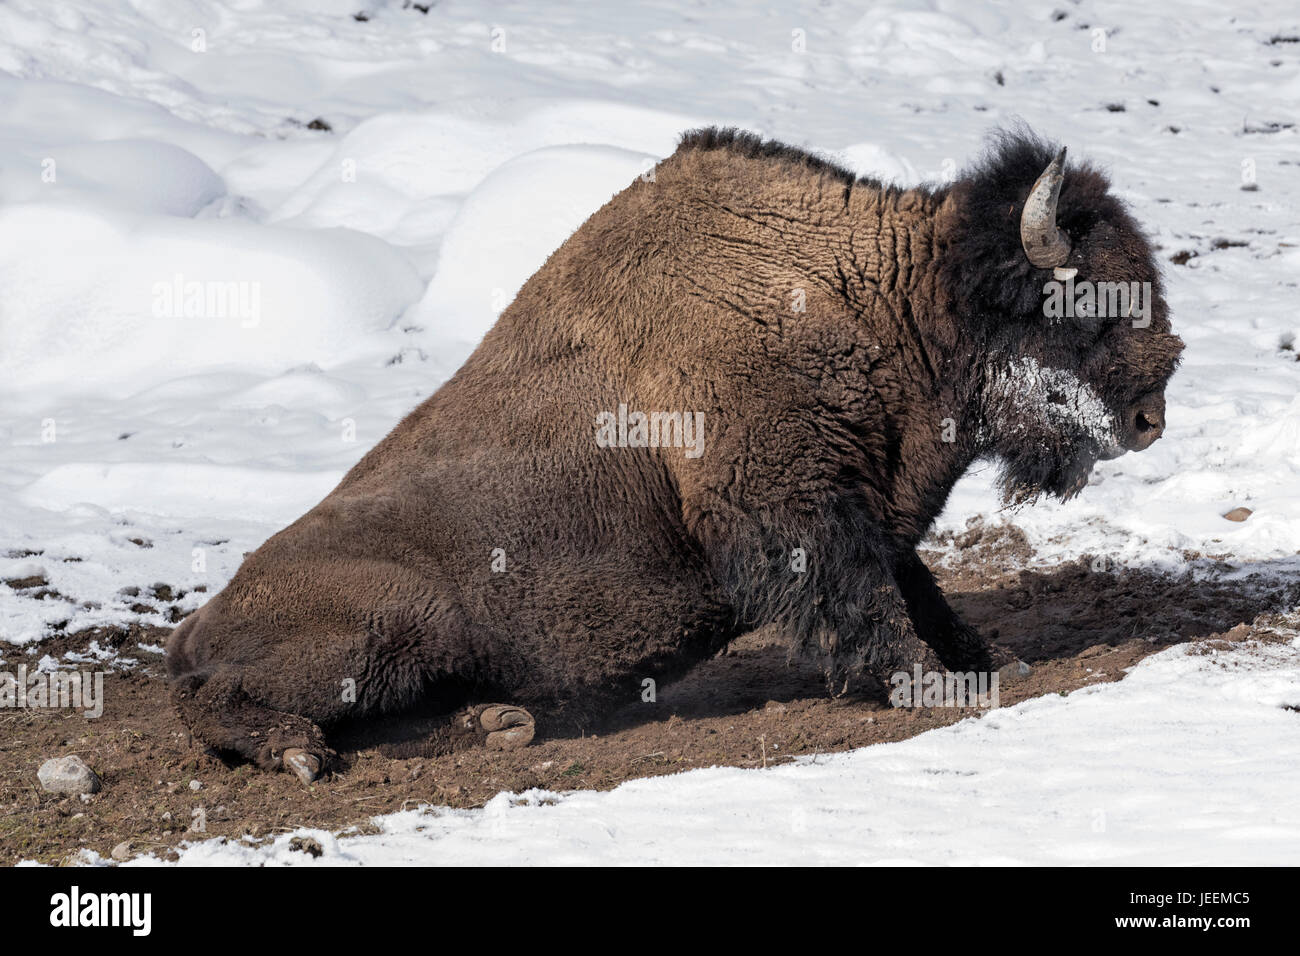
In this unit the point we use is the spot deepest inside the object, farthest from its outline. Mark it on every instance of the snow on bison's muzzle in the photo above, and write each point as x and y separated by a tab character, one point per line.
533	542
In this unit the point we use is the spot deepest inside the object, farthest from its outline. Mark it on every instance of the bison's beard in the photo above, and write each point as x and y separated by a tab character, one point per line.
1030	469
1047	426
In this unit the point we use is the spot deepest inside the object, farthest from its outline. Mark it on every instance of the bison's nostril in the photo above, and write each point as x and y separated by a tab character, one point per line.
1148	425
1144	421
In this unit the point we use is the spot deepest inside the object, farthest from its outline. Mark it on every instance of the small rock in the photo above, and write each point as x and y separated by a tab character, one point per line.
123	851
1239	633
1016	670
68	775
1239	514
195	785
1093	651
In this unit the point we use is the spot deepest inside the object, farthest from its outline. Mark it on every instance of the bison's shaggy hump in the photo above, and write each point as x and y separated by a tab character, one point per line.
753	146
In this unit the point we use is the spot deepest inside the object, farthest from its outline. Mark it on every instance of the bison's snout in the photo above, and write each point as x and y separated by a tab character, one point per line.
1144	422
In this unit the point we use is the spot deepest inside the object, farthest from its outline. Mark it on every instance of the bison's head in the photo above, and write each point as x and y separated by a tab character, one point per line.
1064	293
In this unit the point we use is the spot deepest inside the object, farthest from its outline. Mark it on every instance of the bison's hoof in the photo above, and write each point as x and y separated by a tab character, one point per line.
301	764
508	727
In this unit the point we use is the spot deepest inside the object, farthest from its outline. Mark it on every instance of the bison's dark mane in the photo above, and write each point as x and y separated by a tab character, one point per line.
984	266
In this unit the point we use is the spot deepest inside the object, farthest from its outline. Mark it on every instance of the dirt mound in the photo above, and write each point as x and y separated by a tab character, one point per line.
748	707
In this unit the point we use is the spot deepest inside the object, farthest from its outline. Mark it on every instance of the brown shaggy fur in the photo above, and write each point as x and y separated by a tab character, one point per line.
823	432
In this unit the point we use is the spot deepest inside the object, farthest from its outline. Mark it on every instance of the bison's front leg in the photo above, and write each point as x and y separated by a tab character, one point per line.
864	630
831	585
960	647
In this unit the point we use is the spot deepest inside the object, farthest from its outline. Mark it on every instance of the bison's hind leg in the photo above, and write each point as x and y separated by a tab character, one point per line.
220	714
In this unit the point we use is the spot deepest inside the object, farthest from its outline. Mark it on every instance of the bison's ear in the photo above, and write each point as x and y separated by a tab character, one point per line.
1045	244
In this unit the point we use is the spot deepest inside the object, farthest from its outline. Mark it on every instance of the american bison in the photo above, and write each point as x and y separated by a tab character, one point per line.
738	395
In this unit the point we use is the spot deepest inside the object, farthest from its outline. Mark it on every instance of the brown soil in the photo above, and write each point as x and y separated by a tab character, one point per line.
747	707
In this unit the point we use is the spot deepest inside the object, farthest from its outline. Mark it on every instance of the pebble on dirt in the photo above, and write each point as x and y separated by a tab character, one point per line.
68	775
1014	671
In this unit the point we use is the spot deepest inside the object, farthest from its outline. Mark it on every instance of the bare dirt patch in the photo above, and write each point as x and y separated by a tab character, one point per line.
748	707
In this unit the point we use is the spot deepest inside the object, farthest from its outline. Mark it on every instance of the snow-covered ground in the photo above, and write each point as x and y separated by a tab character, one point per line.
154	149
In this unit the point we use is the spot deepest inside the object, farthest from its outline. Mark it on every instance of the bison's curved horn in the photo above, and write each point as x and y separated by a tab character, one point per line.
1045	244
